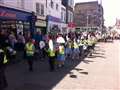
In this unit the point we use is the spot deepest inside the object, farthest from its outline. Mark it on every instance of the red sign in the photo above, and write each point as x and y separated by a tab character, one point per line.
71	25
7	14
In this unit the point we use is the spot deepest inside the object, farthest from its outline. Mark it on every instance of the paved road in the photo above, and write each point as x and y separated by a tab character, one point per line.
99	72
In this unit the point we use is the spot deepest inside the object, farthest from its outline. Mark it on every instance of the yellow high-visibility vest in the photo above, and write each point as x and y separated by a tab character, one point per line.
81	43
29	49
61	50
76	45
85	42
90	42
51	53
70	45
5	58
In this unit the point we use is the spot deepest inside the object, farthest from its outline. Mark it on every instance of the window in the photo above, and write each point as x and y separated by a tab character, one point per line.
42	9
39	9
52	4
69	16
62	16
56	6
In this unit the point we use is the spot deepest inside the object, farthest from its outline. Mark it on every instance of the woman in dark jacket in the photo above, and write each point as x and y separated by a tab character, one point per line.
3	82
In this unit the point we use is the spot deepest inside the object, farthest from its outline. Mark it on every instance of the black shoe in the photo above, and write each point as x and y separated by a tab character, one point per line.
31	70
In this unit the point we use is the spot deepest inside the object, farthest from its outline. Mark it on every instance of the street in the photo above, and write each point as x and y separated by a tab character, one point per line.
98	72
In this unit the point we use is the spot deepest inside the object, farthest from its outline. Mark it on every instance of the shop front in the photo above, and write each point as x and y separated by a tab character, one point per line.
16	21
40	25
54	25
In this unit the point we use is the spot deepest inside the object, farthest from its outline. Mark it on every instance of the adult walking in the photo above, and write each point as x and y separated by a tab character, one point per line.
51	54
3	61
30	50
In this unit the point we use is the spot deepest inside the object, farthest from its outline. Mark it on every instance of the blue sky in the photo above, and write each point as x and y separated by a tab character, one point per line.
111	10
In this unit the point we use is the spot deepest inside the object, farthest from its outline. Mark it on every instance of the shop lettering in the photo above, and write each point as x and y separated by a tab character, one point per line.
7	14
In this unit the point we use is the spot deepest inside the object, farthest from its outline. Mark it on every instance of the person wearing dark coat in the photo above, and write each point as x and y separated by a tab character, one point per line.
3	81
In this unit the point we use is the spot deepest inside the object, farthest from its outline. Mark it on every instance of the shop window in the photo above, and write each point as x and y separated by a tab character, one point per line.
57	6
52	4
37	8
42	9
26	26
62	16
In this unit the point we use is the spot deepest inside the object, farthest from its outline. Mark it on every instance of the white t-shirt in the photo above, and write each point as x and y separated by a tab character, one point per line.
41	44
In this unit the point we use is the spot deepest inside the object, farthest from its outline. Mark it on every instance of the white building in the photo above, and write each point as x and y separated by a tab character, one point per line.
39	7
54	15
14	3
63	20
51	11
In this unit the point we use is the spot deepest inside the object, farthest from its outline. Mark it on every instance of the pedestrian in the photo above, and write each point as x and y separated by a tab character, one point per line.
30	50
41	49
12	40
61	55
51	55
21	42
68	50
75	50
3	61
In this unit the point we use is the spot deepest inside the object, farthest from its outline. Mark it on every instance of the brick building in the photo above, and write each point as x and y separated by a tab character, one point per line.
88	14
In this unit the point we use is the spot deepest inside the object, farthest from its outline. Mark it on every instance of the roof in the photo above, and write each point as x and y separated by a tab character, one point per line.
91	2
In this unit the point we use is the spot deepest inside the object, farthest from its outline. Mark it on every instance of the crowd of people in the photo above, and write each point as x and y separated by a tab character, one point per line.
57	48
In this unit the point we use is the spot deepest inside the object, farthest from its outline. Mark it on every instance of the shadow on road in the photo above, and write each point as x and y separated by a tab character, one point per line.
85	73
95	56
87	61
99	53
19	78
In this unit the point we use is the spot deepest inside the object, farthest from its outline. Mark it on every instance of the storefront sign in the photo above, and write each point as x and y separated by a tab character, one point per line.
71	25
51	18
41	23
7	14
11	13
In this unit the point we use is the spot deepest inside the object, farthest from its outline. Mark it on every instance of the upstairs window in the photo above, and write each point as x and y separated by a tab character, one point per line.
52	4
57	6
37	8
42	9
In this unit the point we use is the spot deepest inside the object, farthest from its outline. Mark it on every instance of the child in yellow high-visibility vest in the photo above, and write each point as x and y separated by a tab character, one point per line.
51	55
76	50
68	50
61	55
30	50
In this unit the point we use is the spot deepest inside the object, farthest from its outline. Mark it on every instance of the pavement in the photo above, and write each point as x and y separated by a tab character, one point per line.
98	72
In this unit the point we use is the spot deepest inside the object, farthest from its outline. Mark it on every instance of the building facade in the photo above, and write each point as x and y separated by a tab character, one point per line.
54	16
88	14
16	20
63	19
69	4
40	10
36	6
